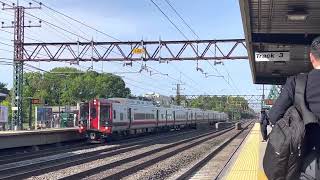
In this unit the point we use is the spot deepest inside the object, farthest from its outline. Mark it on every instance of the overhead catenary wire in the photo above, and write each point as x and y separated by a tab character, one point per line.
67	25
80	22
55	27
126	81
193	31
26	37
11	45
102	32
167	17
70	32
168	2
94	29
188	77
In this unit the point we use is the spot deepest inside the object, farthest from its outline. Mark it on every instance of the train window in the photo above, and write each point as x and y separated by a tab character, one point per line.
84	113
121	116
162	116
139	116
104	114
114	114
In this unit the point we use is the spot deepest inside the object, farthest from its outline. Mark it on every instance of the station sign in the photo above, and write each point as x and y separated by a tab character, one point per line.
268	101
35	101
272	56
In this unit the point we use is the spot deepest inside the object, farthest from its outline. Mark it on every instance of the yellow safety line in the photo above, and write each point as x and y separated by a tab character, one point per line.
247	165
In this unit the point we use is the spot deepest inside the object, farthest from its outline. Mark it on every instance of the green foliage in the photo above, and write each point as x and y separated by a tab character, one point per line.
236	107
4	90
274	92
68	86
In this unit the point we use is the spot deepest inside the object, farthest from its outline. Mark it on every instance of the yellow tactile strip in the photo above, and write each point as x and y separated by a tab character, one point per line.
247	166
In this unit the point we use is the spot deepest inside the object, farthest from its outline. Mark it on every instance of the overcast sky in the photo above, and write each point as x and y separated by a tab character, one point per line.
140	19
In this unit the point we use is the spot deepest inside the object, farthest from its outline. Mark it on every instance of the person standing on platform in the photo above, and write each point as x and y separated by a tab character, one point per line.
264	122
293	150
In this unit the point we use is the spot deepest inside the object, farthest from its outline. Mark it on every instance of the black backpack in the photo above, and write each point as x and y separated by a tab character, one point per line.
290	141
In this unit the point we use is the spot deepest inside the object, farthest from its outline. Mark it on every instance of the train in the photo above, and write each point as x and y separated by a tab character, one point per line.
100	119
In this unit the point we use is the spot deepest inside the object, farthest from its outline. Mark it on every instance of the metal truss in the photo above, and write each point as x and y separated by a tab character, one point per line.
227	49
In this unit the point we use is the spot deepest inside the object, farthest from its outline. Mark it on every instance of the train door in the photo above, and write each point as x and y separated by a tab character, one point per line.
166	117
94	117
157	116
105	115
174	117
187	117
191	117
203	117
129	117
83	116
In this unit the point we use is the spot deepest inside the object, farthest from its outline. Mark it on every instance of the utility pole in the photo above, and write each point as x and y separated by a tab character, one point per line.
17	97
178	93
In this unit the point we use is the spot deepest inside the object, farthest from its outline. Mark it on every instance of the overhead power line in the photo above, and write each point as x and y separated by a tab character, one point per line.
193	31
80	22
167	17
49	23
168	2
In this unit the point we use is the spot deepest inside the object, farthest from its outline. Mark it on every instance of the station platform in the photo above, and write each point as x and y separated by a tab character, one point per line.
246	163
12	139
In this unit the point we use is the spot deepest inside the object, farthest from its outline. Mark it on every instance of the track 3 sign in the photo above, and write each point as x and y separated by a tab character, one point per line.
272	56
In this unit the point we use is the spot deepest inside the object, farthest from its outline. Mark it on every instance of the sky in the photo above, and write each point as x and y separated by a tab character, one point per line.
136	20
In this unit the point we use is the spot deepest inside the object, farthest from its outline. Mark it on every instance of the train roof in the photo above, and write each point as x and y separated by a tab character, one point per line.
132	101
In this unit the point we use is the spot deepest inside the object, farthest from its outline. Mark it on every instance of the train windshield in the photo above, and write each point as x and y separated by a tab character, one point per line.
84	113
105	114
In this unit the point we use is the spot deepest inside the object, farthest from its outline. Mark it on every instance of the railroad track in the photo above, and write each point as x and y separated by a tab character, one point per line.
41	153
130	165
41	166
6	159
202	167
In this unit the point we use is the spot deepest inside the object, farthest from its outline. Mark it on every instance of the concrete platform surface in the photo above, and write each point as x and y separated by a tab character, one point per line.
12	139
247	162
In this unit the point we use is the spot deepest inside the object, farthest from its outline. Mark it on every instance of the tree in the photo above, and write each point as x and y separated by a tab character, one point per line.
236	107
68	86
4	90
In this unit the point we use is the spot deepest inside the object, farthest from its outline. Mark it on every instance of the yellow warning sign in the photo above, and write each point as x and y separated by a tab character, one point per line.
138	51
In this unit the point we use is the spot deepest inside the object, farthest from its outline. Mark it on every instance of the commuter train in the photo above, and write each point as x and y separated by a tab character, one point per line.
103	118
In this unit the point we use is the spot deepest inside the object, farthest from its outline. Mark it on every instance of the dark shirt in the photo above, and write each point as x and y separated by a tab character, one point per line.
286	97
264	119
